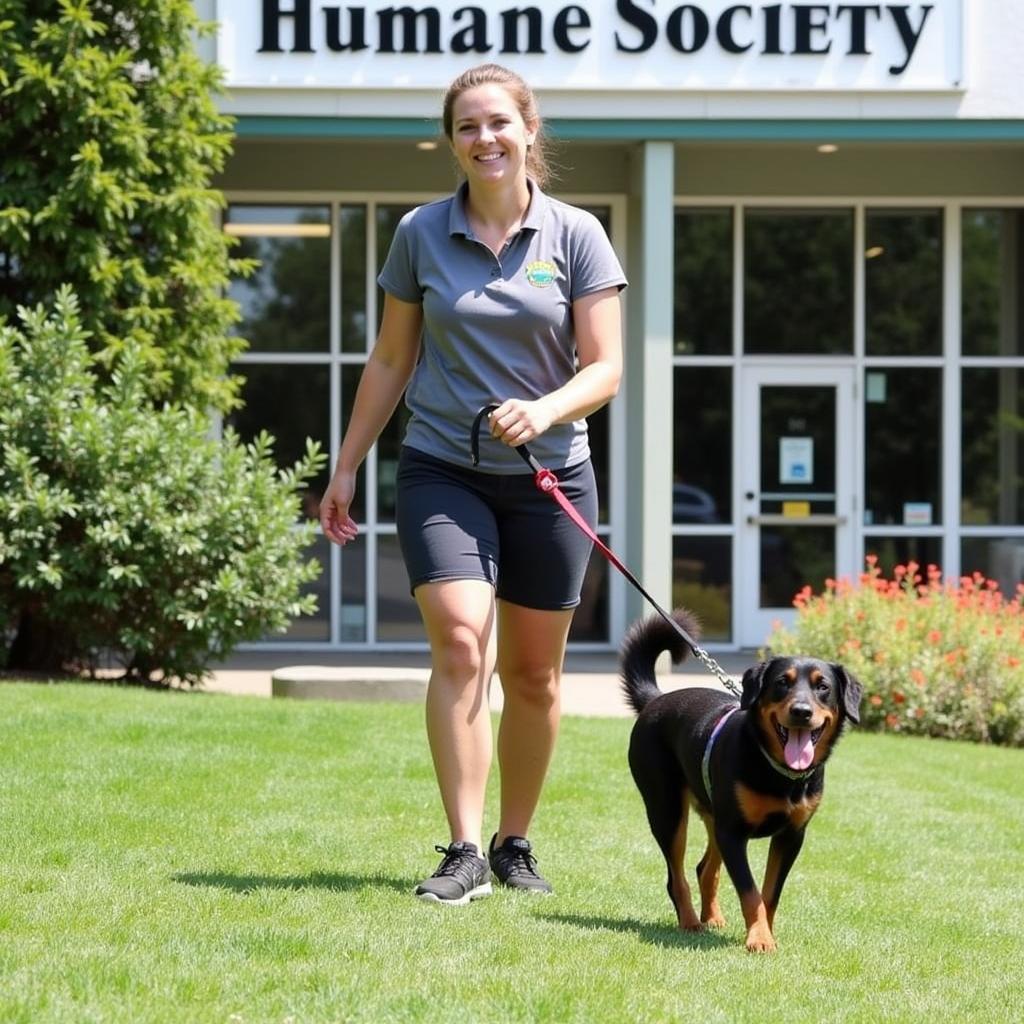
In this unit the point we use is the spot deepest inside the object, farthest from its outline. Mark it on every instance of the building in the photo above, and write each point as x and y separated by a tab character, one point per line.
820	208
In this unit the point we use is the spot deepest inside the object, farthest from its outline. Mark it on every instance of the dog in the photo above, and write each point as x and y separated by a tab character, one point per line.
751	770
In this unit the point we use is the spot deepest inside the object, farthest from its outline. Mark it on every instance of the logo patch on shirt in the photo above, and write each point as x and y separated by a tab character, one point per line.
540	273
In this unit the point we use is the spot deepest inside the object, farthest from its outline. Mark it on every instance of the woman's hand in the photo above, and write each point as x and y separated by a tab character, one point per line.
516	422
338	526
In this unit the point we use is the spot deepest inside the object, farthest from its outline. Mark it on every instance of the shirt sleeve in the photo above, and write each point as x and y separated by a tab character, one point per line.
594	263
398	275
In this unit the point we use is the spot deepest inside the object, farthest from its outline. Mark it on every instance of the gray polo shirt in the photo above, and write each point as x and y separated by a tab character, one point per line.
495	327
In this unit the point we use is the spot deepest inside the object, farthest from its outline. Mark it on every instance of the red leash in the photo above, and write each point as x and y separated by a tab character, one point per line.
547	482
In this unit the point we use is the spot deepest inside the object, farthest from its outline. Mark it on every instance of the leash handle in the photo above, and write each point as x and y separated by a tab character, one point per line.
547	482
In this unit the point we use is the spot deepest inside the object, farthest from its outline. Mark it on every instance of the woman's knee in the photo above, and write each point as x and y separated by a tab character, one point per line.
459	653
532	683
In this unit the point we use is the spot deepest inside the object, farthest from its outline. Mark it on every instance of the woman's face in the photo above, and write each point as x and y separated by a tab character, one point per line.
489	137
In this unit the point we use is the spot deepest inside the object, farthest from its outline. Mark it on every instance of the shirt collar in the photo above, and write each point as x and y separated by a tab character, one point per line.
458	223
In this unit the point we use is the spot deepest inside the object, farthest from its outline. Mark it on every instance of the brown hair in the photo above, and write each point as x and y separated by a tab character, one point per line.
525	101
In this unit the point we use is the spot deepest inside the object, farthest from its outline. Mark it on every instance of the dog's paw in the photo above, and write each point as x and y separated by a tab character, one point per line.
714	920
760	941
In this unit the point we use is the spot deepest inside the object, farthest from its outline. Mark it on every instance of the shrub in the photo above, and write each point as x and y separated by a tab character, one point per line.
935	658
125	529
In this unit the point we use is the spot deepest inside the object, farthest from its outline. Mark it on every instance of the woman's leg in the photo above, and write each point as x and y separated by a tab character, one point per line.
531	648
459	619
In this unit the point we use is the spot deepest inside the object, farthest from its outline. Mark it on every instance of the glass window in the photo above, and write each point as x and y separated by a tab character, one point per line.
349	383
315	627
902	446
992	456
993	282
702	445
893	551
353	591
590	623
903	282
387	224
702	582
286	301
798	281
353	279
996	558
703	282
292	403
398	617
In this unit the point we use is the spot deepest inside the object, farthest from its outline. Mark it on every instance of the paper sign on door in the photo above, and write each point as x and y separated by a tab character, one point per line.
796	460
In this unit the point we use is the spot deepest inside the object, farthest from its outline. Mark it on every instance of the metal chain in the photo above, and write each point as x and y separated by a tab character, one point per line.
715	669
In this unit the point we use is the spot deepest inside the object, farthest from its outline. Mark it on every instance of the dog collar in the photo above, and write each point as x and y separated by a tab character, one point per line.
789	773
705	765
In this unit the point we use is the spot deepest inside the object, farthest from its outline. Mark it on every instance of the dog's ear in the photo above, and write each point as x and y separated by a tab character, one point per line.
850	691
753	684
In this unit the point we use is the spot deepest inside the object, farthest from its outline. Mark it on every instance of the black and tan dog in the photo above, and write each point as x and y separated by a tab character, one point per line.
750	771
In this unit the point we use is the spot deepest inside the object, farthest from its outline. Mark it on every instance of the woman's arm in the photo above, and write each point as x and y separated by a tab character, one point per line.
598	322
383	380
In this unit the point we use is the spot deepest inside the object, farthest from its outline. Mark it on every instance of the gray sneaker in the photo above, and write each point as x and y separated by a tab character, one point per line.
514	865
462	875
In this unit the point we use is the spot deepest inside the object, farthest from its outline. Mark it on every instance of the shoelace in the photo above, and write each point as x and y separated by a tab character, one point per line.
457	865
521	862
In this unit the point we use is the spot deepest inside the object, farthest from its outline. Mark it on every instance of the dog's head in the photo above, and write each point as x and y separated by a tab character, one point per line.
799	706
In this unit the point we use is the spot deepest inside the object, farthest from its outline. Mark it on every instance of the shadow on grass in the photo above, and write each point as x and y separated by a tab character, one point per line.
314	880
655	934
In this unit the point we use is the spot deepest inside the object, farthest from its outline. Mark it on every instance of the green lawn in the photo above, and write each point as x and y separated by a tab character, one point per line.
191	858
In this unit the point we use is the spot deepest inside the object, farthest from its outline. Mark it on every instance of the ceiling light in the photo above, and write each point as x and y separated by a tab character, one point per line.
426	145
828	147
873	252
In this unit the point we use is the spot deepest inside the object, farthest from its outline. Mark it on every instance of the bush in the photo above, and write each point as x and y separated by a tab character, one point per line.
126	530
935	658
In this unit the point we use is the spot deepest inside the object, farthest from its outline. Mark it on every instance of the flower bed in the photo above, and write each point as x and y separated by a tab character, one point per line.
935	658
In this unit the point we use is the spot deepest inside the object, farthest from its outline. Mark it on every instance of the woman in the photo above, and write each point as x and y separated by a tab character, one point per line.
495	294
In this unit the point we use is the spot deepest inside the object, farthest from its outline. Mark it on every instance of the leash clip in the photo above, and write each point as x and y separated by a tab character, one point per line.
546	481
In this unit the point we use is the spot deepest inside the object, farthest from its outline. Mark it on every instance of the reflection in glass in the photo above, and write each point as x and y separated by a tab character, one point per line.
388	449
703	282
353	591
702	445
600	456
993	282
902	446
798	281
996	558
903	282
398	618
286	302
893	551
992	483
793	557
315	627
292	403
353	279
702	582
590	623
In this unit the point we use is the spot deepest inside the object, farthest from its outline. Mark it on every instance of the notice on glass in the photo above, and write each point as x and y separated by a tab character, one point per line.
796	460
917	513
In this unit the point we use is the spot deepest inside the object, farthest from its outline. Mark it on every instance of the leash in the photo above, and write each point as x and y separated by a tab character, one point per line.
547	482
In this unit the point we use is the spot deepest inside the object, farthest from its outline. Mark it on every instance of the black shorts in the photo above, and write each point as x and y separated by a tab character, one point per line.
456	523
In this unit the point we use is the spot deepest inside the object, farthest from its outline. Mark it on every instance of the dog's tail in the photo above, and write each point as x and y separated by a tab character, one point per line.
643	642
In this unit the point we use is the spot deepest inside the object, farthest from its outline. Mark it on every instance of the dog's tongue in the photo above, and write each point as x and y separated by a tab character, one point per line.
799	751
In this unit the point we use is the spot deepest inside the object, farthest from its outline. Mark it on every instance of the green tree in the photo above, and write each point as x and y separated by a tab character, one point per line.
110	139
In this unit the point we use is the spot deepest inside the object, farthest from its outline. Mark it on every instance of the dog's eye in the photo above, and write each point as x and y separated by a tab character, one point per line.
823	686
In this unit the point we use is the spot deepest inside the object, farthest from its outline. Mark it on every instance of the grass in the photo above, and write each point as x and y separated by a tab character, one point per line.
192	858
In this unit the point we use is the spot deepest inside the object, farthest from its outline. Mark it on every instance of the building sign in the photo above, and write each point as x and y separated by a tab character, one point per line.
654	45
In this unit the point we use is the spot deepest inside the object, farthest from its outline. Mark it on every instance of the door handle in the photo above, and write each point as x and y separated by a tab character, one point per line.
818	519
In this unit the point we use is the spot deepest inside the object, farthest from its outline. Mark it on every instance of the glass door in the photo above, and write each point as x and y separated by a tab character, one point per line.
796	488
